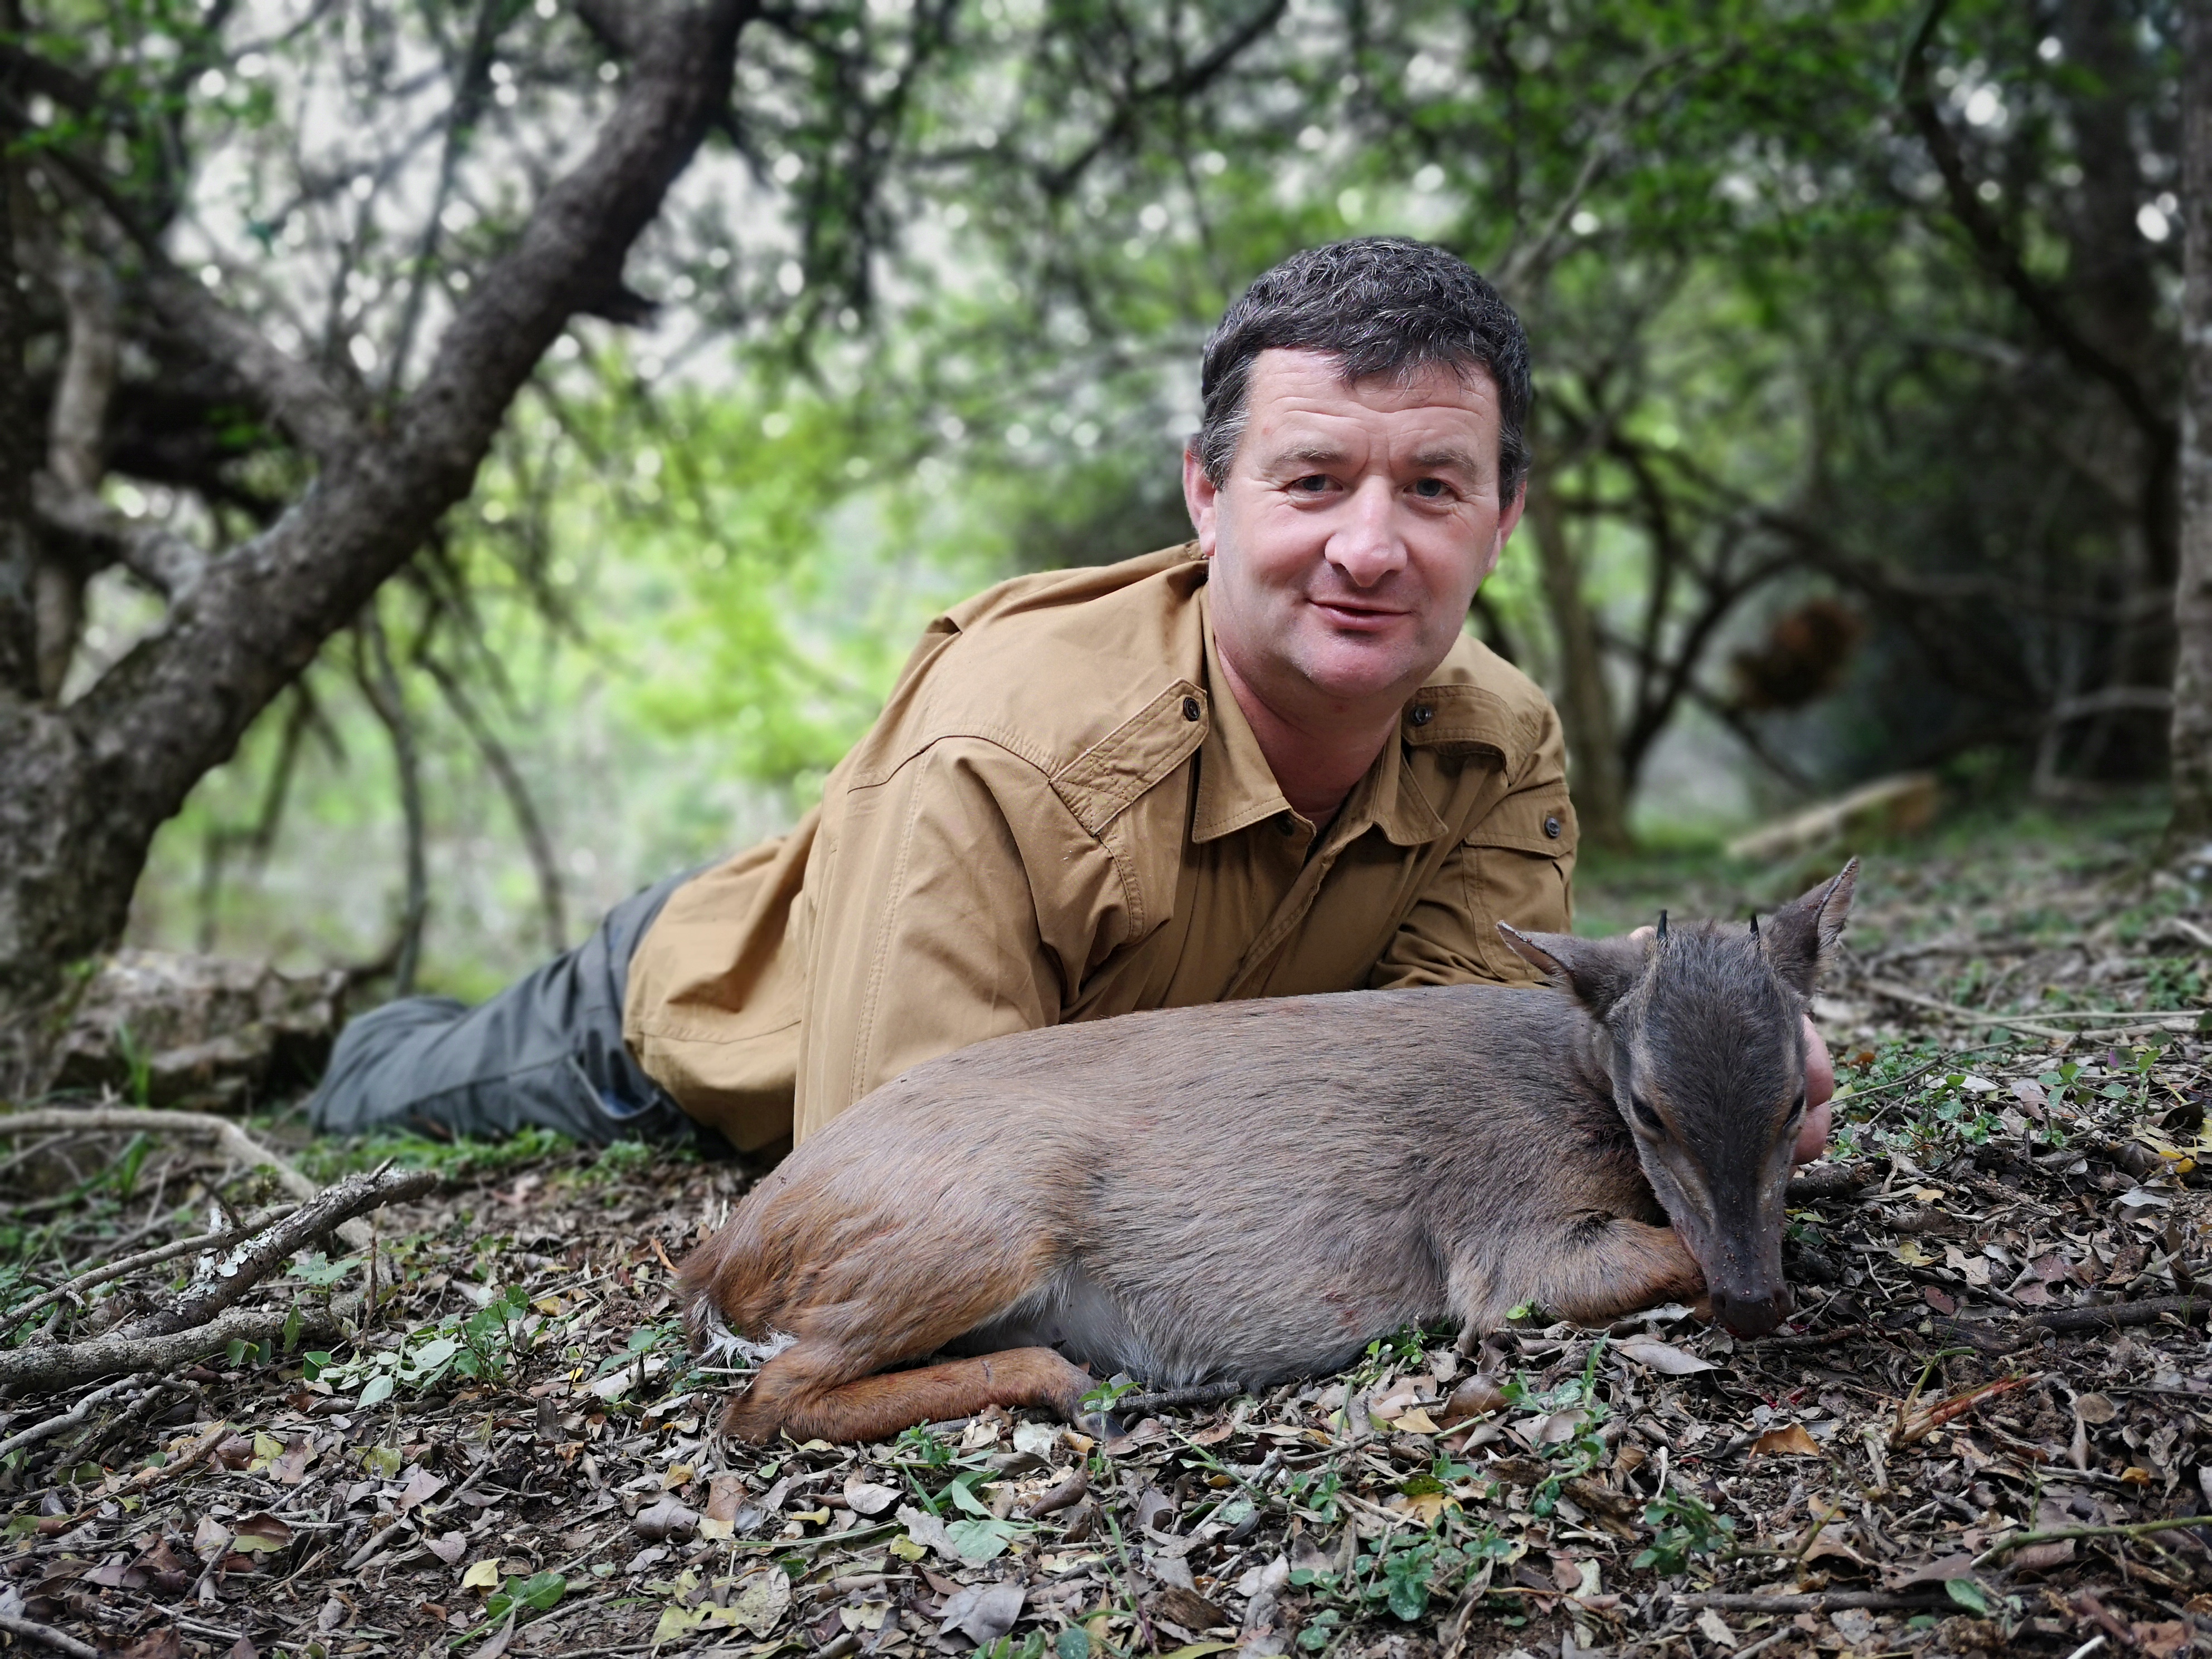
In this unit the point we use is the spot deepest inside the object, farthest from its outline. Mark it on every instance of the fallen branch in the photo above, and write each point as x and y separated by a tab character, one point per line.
128	1119
155	1344
2112	1315
277	1244
68	1365
72	1418
2020	1540
1910	1430
32	1631
221	1239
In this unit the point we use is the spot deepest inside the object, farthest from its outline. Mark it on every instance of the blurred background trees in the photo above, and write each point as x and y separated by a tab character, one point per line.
1857	421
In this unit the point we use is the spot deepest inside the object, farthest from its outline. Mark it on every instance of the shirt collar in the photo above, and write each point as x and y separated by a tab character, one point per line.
1236	789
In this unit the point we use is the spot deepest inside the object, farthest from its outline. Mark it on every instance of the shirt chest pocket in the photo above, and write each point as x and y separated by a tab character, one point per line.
1519	863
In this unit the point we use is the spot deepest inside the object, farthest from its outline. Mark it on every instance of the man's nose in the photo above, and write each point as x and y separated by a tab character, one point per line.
1367	546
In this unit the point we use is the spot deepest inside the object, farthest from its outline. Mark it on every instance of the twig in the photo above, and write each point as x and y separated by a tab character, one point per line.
223	1238
1824	1601
32	1631
1206	1394
1968	1016
126	1120
74	1416
1998	1552
275	1244
66	1366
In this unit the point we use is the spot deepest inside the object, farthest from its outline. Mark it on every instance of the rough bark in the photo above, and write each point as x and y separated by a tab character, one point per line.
1585	707
83	789
2191	742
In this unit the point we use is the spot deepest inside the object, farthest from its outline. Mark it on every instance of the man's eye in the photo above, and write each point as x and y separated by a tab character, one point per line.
1312	484
1431	488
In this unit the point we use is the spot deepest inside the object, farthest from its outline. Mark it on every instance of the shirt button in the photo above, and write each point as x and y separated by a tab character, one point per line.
1190	709
1422	714
1551	828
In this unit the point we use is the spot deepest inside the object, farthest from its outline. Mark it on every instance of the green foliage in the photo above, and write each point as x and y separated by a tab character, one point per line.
1683	1526
477	1345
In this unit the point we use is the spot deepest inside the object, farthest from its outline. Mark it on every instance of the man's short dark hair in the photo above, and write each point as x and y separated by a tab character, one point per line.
1384	307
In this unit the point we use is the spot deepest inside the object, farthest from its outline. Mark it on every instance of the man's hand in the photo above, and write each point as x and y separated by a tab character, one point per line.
1819	1088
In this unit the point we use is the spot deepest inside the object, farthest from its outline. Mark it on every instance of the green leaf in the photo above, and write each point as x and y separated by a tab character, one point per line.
1074	1643
376	1392
980	1540
1969	1595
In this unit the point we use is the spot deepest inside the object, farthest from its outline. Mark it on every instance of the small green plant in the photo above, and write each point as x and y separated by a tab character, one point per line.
1683	1525
479	1345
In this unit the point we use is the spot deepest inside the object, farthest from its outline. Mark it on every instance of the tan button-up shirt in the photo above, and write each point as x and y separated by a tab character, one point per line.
1061	814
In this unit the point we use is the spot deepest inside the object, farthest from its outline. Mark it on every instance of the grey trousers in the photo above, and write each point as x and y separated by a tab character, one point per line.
548	1050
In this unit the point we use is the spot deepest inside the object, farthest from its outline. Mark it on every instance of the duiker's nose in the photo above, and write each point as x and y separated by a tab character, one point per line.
1752	1316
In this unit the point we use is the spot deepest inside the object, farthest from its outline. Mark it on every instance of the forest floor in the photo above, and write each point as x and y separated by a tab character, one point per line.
1976	1435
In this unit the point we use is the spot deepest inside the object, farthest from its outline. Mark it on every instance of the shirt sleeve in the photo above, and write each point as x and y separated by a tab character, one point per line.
1515	864
959	901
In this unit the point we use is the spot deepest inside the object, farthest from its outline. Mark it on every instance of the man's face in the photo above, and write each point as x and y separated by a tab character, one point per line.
1353	528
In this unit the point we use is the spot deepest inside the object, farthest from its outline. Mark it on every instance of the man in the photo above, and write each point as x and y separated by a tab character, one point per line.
1269	762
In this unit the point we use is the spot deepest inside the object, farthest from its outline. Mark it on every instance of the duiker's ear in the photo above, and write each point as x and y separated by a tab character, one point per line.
1798	937
1596	972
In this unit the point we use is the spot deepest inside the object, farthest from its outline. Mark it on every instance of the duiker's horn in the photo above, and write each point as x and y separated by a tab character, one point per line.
1662	927
1754	926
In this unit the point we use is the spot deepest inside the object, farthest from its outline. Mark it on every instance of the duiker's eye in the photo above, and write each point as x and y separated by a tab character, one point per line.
1645	1117
1798	1109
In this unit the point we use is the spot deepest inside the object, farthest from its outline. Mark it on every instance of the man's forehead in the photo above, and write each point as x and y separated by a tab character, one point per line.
1316	381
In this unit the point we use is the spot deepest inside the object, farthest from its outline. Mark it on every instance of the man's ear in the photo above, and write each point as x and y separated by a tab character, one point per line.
1202	496
1596	972
1797	938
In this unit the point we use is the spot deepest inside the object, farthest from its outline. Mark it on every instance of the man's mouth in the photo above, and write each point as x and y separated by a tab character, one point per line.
1356	615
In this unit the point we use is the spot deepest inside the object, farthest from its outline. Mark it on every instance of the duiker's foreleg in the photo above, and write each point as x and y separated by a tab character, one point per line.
1591	1271
804	1390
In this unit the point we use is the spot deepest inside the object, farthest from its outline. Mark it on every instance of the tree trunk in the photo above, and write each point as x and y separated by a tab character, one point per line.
83	788
18	455
2192	673
1585	707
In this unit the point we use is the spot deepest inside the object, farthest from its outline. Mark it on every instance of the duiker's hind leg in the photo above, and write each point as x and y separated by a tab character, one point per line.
808	1390
1590	1272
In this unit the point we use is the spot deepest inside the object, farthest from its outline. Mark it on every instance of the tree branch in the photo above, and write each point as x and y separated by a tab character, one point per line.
1996	251
99	777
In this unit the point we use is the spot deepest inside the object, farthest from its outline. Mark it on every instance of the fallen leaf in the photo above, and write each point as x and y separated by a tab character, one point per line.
161	1643
1791	1440
1189	1610
1473	1398
864	1498
1415	1421
669	1517
501	1637
482	1575
1715	1629
982	1613
421	1486
1906	1574
928	1531
760	1601
1661	1357
1937	1300
261	1534
2040	1558
724	1492
290	1467
210	1538
2162	1641
2095	1408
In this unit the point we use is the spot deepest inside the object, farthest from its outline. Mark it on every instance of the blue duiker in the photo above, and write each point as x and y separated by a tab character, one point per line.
1250	1191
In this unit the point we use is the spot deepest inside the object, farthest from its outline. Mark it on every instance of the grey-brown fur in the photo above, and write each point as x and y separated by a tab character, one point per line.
1256	1190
